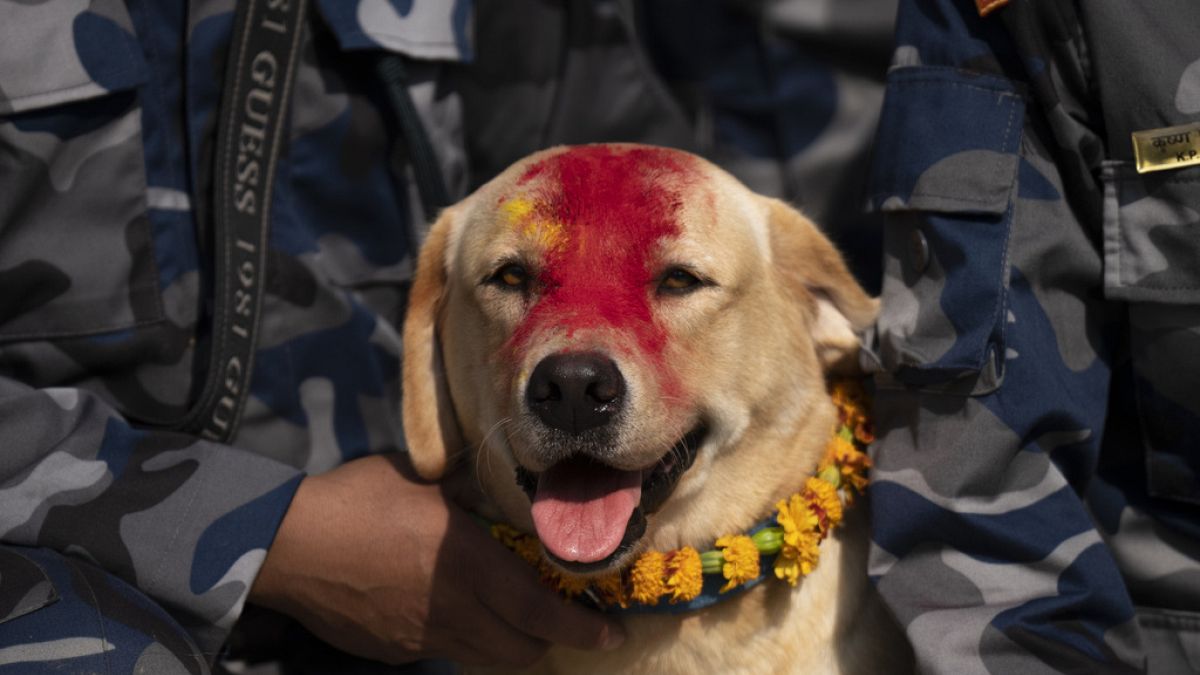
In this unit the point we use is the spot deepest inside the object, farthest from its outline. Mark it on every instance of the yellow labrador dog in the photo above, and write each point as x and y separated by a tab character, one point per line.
633	350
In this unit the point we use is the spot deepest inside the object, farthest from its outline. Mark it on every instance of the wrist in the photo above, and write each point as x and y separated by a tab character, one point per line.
279	570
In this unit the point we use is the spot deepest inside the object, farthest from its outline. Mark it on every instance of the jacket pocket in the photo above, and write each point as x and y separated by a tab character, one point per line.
75	245
1151	247
1163	343
1151	240
946	162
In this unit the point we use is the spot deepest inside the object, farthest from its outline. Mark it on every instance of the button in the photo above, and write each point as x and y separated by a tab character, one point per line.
918	250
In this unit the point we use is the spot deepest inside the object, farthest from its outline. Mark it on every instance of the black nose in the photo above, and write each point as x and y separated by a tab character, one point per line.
576	392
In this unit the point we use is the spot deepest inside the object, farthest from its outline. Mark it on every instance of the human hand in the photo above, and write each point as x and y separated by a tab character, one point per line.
381	565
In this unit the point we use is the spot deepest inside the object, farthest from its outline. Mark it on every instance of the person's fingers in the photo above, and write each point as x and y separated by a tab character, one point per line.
515	594
474	632
489	640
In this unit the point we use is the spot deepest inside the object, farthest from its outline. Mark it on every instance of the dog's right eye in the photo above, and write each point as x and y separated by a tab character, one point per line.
512	276
679	280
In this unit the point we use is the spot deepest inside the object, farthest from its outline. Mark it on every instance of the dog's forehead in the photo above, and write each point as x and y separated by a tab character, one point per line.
630	195
627	195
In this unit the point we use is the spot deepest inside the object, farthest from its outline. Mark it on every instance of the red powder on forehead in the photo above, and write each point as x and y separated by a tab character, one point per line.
614	207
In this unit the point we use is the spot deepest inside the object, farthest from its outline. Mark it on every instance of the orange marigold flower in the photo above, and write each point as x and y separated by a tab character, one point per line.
824	500
852	464
849	393
647	578
853	407
741	560
865	432
685	574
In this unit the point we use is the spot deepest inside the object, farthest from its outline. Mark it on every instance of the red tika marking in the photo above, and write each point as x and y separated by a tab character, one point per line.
613	212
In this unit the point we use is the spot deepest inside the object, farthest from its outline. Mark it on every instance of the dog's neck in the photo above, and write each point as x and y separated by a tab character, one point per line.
784	545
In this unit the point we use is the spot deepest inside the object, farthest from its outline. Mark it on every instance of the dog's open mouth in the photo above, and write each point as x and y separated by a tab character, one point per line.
589	514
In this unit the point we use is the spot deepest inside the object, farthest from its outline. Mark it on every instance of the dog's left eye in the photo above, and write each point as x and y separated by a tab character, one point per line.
678	280
512	276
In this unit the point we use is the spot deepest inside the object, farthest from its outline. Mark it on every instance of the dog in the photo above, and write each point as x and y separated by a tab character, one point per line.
634	350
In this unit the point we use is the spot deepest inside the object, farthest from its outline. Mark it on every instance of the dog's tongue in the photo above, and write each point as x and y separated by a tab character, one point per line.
581	508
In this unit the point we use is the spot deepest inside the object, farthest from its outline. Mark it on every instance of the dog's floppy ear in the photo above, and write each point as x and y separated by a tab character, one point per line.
430	425
811	266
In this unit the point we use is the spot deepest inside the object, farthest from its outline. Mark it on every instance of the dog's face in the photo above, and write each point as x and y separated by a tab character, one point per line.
622	335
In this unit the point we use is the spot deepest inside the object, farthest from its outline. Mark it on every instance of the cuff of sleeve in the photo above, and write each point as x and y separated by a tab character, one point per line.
218	538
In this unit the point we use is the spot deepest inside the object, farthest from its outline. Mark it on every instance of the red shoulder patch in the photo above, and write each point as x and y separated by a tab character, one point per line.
988	6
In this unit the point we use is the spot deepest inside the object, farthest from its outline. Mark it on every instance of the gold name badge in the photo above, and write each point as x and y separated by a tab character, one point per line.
1167	148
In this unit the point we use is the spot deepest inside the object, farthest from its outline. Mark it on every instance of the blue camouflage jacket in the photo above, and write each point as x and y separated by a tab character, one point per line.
1036	499
107	121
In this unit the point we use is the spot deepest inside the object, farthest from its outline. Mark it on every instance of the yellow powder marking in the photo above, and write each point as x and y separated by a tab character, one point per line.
522	214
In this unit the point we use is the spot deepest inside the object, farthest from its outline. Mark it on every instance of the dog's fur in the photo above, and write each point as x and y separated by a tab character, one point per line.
747	354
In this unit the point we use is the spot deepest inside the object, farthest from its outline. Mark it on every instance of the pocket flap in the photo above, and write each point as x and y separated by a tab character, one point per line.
964	161
58	52
944	173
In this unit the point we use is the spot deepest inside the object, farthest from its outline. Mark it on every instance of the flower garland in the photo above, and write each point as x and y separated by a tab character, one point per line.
793	536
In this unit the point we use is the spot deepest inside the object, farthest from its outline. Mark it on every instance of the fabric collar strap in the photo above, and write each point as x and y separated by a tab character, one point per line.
261	66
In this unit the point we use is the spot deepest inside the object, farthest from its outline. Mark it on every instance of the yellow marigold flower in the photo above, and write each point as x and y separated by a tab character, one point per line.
795	516
741	560
611	590
505	534
529	549
571	585
849	393
786	567
824	500
524	545
685	578
839	450
647	578
809	553
801	539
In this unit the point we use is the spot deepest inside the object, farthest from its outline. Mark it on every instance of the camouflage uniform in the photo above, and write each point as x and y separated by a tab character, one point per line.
107	116
1036	496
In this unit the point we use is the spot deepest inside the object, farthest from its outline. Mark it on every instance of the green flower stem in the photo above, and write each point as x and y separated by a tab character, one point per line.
768	540
711	562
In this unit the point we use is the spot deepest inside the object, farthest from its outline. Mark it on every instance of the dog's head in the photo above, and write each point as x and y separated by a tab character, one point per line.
629	344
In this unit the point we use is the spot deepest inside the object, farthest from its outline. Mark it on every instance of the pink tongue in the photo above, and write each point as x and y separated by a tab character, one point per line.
581	508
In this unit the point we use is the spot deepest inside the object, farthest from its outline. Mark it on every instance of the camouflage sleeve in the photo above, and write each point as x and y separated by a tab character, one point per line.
996	366
186	521
98	305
